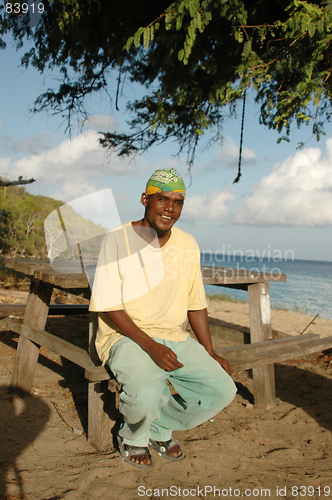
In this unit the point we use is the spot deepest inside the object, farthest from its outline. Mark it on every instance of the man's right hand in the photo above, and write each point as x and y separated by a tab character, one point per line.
164	357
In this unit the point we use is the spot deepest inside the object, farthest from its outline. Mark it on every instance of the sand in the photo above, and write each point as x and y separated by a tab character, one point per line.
244	451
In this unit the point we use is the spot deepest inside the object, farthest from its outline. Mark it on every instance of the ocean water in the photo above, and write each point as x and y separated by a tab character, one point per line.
308	287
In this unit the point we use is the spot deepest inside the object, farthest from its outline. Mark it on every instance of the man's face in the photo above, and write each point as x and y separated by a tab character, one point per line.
162	210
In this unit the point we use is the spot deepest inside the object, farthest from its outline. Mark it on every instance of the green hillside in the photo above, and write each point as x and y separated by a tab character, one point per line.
22	218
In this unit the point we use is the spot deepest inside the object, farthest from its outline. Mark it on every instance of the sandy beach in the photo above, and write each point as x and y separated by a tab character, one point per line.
244	451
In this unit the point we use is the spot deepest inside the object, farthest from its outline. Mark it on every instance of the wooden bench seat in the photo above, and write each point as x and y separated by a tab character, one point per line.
245	357
241	357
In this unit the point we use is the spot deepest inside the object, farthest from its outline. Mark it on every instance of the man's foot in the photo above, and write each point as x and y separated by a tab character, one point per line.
174	452
168	449
135	455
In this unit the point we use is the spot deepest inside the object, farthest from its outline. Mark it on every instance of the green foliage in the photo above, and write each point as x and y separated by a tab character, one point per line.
22	217
194	57
5	226
22	221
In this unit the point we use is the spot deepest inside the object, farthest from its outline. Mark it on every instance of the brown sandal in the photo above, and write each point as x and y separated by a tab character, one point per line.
163	448
127	450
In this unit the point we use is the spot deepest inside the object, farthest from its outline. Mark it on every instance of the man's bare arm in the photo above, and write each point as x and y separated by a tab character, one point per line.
162	355
200	324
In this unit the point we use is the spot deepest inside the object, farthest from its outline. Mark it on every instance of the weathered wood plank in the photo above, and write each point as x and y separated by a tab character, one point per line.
229	334
63	280
236	333
213	275
93	327
260	330
69	351
101	402
271	345
26	266
43	271
27	351
11	324
62	347
99	421
97	373
259	312
246	361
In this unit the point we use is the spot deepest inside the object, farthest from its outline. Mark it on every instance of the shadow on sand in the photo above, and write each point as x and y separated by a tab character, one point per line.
301	388
23	418
307	390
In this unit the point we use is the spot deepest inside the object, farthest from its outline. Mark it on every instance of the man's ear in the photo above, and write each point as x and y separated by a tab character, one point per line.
144	199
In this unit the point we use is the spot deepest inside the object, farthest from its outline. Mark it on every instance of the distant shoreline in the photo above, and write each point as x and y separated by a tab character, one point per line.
286	321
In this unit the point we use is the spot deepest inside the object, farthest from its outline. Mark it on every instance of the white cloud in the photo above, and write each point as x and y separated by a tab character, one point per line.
298	192
77	155
80	166
74	166
207	206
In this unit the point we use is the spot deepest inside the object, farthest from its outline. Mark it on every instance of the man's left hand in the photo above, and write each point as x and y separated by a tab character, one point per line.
223	363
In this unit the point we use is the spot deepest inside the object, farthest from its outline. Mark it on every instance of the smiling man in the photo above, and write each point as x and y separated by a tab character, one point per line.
147	285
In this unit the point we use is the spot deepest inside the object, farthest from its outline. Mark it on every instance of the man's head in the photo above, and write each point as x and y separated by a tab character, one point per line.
163	200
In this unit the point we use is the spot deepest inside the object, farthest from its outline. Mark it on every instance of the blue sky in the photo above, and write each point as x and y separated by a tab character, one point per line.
282	203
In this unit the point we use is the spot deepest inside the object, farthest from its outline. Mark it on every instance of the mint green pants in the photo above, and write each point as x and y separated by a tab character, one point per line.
150	412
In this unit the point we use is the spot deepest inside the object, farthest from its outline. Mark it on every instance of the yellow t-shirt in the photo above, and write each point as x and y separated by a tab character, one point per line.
155	286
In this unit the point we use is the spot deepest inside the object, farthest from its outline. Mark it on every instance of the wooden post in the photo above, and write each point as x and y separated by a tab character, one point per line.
99	422
99	399
260	330
27	351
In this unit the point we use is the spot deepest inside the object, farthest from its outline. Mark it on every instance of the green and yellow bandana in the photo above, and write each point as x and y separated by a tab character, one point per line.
165	180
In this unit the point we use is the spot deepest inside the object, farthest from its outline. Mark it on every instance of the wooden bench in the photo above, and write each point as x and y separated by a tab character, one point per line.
241	357
103	387
244	357
44	278
259	355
